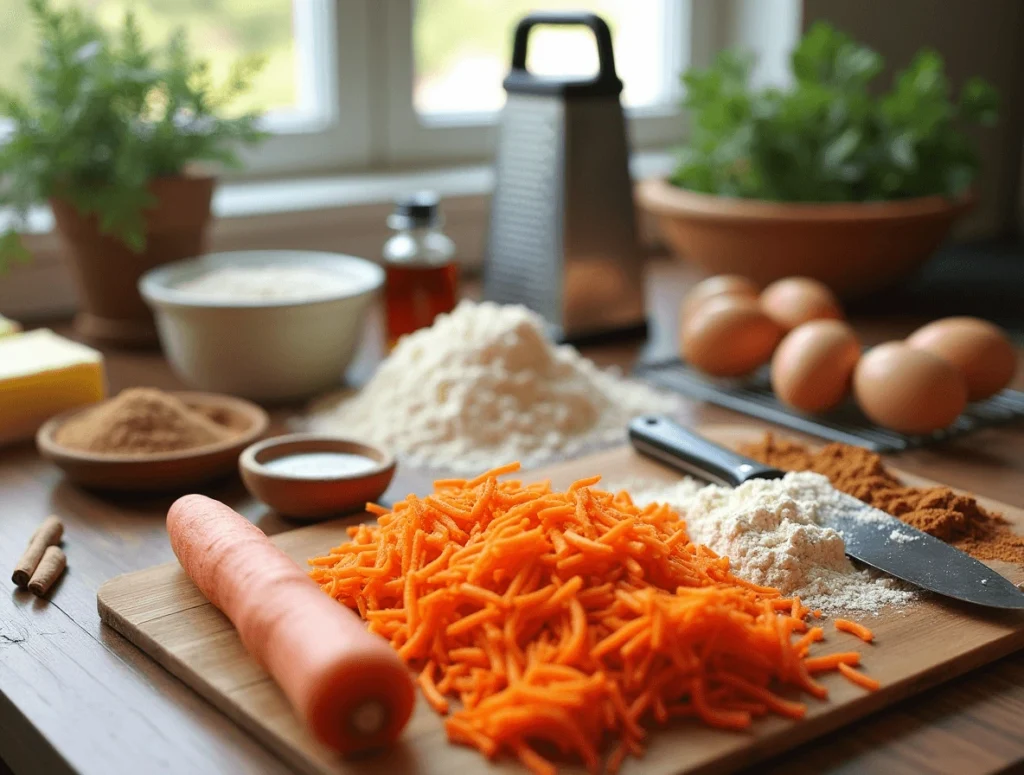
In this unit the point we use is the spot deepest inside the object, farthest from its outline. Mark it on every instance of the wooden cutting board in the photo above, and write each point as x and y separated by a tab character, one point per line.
161	612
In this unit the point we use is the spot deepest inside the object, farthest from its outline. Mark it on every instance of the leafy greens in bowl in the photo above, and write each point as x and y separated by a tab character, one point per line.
830	136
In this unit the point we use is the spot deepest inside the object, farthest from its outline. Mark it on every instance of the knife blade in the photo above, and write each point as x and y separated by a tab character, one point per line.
912	556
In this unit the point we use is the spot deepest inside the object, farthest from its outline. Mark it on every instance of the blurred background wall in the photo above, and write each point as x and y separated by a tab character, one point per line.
977	38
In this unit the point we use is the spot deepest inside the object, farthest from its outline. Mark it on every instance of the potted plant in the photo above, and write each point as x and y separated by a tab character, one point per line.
110	134
824	178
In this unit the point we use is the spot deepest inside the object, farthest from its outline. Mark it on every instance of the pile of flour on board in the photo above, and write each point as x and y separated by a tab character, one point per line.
484	386
770	531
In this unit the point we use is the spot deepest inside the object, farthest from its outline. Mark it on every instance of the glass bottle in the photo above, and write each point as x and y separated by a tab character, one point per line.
419	262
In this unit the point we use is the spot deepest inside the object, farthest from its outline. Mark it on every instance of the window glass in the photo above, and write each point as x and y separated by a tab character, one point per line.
463	49
220	30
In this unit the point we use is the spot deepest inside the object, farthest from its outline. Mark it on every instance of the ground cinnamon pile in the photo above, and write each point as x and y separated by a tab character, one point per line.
940	511
141	421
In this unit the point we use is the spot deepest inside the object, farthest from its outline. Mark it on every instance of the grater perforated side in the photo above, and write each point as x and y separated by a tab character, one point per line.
525	231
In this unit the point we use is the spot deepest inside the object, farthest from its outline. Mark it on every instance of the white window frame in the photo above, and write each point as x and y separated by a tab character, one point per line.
361	66
355	64
355	112
412	138
326	183
329	129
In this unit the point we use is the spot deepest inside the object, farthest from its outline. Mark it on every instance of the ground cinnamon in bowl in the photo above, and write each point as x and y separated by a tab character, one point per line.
141	421
940	511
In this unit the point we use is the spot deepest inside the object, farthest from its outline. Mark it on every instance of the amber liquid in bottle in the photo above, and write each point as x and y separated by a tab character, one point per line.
416	294
421	276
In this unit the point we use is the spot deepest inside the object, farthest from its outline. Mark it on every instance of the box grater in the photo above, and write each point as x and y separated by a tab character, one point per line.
562	238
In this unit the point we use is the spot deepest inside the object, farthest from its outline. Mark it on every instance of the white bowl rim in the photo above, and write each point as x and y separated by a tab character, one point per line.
157	286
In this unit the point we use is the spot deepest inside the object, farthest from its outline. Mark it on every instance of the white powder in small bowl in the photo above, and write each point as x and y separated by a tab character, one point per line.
266	283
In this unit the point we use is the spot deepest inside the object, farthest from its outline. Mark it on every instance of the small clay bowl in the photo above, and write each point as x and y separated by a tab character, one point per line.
165	471
308	498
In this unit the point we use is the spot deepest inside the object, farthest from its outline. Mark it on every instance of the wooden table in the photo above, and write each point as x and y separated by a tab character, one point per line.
76	697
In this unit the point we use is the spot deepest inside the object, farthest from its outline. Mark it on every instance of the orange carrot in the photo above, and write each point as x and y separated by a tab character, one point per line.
862	632
346	683
430	691
568	620
831	662
813	635
533	761
771	700
857	677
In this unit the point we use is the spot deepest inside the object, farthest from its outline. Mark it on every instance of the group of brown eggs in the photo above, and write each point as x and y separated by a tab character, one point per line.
729	327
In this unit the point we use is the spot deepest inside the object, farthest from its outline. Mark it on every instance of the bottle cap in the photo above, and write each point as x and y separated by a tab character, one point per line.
415	210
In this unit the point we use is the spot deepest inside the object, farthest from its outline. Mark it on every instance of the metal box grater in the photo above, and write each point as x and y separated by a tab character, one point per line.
562	237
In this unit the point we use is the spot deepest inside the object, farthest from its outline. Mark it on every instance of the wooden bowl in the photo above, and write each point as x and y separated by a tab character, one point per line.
303	497
166	471
853	247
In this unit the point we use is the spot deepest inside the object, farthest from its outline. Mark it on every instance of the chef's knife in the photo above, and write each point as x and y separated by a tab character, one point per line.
918	558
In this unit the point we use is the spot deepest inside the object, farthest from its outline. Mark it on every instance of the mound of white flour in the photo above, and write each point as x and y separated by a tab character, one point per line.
484	386
770	531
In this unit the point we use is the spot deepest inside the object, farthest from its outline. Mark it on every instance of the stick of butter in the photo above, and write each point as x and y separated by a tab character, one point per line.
43	374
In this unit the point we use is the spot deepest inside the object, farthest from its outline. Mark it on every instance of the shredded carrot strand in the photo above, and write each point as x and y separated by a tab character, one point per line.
831	662
857	677
862	632
568	621
813	635
434	697
534	762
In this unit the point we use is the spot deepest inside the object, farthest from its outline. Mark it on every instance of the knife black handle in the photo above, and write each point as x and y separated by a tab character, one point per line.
668	441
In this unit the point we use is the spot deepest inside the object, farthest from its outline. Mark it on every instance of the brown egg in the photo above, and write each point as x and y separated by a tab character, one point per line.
719	285
729	336
813	365
978	349
908	390
795	300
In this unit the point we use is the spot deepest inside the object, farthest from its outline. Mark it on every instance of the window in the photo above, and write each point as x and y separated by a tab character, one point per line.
459	68
357	84
445	99
298	88
225	29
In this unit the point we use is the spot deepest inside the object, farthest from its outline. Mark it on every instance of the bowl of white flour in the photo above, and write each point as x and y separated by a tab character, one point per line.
269	325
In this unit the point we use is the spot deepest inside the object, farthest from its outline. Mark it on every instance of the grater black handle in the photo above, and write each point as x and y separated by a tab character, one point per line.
605	82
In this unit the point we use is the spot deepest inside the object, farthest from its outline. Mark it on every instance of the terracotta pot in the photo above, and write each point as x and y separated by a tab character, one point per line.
106	270
855	248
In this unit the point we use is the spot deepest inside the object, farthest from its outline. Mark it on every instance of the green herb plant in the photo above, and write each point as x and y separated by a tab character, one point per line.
828	137
105	115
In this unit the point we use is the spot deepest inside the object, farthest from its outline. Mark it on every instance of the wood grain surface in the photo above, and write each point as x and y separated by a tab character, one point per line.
76	697
931	641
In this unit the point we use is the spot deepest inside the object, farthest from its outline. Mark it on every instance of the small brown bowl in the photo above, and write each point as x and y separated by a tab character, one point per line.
308	498
166	471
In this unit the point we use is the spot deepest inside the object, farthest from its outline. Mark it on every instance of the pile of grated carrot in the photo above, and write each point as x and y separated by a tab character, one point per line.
562	621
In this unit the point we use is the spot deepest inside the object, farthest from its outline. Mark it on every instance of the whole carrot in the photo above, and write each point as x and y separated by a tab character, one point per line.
348	685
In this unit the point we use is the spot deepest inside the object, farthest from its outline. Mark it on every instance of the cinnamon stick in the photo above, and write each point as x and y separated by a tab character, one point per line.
47	534
48	571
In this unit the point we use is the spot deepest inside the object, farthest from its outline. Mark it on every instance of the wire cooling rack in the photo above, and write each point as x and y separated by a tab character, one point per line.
753	396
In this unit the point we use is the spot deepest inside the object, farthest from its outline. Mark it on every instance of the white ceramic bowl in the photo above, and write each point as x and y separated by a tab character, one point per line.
265	350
